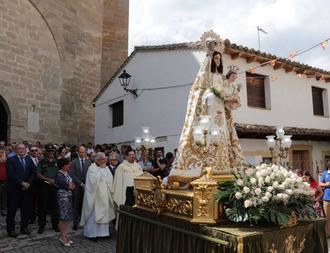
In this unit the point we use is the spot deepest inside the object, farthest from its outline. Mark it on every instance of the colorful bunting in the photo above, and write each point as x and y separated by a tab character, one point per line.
252	70
324	44
293	54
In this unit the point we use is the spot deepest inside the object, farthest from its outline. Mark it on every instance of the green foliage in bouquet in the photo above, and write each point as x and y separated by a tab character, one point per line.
217	93
267	194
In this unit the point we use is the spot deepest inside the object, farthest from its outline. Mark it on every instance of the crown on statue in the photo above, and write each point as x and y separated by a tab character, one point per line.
212	42
233	68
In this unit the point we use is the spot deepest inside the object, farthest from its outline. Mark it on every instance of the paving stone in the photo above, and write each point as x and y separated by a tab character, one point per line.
48	242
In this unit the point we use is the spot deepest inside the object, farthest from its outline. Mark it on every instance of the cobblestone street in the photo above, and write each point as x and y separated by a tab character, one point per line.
48	242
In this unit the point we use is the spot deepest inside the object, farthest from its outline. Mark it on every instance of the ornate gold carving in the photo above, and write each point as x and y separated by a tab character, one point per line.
145	199
292	222
205	207
273	250
291	246
159	197
196	205
149	195
202	193
179	206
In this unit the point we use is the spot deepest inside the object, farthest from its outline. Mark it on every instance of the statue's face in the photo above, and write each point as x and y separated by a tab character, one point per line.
232	77
217	60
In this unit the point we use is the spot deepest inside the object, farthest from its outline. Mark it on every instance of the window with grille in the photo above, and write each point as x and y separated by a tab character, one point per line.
117	111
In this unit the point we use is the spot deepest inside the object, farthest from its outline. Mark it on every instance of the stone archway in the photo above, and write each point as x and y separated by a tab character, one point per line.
4	120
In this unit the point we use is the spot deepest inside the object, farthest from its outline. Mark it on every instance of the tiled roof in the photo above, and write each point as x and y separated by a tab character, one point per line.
231	48
260	131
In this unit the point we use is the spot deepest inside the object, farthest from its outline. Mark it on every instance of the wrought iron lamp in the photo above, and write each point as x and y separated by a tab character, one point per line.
124	80
279	147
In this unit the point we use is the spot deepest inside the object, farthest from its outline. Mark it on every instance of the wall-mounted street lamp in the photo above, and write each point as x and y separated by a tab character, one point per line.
124	80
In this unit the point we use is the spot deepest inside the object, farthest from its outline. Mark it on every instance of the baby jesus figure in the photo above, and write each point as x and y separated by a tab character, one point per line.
229	91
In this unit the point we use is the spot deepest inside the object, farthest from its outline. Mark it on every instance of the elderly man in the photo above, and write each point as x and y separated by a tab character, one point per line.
98	208
113	162
79	167
21	173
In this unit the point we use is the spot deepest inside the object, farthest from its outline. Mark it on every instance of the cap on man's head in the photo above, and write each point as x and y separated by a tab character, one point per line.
50	148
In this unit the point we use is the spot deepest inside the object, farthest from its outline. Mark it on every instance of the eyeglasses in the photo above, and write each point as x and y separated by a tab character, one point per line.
34	150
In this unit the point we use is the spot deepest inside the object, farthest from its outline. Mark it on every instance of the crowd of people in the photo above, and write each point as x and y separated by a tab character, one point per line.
86	184
79	184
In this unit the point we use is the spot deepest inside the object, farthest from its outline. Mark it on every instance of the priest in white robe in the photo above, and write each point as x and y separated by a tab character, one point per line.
98	207
123	185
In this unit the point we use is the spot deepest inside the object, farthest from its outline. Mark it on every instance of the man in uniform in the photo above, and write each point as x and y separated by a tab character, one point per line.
46	171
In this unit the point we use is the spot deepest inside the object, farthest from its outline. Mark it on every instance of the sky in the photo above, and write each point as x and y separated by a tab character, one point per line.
291	24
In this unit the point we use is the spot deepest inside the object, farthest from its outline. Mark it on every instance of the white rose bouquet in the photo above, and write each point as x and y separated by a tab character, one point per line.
266	194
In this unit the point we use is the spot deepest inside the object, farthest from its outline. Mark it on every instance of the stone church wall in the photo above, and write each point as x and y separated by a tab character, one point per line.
54	58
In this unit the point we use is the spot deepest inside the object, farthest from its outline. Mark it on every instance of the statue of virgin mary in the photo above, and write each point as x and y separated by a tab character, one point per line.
215	95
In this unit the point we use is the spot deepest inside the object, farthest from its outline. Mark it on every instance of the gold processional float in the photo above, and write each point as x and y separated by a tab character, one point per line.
191	196
196	205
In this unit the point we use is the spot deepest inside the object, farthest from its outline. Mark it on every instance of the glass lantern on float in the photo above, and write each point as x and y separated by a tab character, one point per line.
279	146
206	133
145	142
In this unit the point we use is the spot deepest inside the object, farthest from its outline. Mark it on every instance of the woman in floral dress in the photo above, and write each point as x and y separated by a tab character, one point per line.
64	199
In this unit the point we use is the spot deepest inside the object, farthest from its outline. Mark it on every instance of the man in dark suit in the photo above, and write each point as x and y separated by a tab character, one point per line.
79	167
21	173
35	186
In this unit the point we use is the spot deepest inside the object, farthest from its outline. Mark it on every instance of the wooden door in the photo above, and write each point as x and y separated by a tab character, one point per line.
300	160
